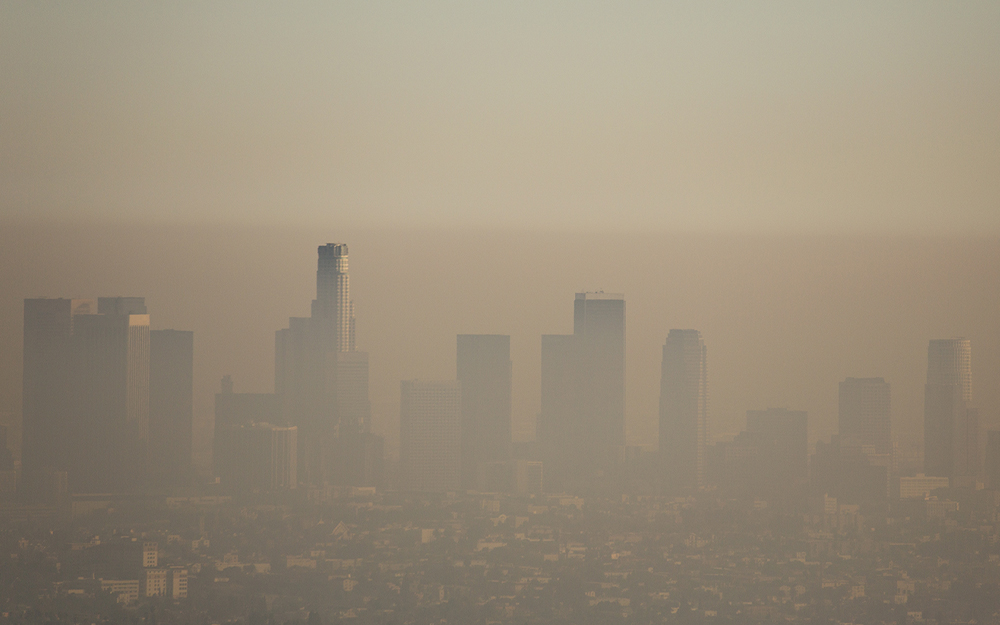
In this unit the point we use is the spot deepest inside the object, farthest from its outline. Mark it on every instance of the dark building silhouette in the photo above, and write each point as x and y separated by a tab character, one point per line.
849	473
864	414
111	397
87	386
951	424
769	459
683	411
430	435
581	428
484	370
47	409
171	389
782	437
234	410
256	457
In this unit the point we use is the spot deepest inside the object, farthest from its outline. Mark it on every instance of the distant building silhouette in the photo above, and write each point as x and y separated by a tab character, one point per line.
430	436
951	424
683	411
171	390
256	457
111	368
86	396
865	416
484	370
769	459
852	474
48	431
323	381
581	428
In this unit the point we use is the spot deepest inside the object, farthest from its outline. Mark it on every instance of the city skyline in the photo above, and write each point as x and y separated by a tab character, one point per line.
317	313
724	422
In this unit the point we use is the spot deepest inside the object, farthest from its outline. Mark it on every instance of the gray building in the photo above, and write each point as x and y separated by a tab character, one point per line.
430	436
484	370
683	411
171	391
86	394
865	414
951	424
256	457
47	408
111	393
323	380
581	428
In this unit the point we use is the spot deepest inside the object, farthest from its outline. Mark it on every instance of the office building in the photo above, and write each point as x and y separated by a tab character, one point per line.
920	486
782	436
683	411
323	380
430	435
769	459
852	474
171	389
233	410
581	428
46	399
353	400
951	425
864	414
484	370
256	457
332	309
111	397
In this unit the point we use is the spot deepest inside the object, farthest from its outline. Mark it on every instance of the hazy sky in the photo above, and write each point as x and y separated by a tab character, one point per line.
699	116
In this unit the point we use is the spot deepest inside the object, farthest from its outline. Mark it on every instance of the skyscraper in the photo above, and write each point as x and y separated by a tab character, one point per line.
111	395
46	404
430	436
683	411
171	386
557	422
256	457
951	427
581	428
864	411
484	370
782	436
332	308
323	380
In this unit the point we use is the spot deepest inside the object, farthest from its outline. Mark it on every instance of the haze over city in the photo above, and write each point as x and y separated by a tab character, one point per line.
683	312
